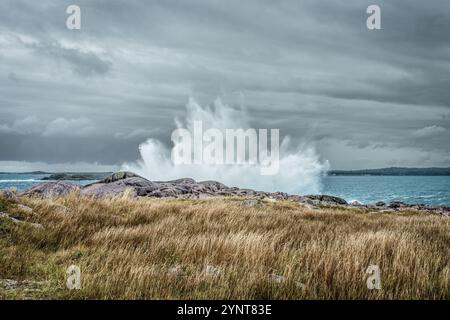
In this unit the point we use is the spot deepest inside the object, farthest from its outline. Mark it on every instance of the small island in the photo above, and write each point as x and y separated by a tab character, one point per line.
76	176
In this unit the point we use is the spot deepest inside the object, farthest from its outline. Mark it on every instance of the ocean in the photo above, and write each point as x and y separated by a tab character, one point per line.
24	181
432	190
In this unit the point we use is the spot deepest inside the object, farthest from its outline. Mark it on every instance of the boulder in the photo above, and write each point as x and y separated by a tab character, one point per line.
326	200
17	221
117	185
215	185
181	181
397	204
250	203
121	175
51	189
9	195
25	208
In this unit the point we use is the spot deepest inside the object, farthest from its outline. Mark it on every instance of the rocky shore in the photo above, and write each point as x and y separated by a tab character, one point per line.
136	186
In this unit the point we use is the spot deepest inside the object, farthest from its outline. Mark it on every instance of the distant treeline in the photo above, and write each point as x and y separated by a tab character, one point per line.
393	172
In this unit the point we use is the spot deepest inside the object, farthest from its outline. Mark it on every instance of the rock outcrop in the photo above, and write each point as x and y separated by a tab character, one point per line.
51	189
75	176
9	217
9	195
129	183
117	184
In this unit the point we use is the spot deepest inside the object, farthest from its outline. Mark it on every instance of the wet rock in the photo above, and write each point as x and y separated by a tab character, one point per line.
327	200
397	204
380	204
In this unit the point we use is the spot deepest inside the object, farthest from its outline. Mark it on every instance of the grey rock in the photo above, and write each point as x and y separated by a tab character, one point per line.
182	181
250	203
9	284
117	187
17	221
24	208
51	189
121	175
175	271
328	200
213	271
9	195
274	278
397	204
213	185
75	176
121	183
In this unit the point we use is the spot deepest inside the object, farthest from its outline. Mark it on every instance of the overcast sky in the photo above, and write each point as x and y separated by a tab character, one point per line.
89	97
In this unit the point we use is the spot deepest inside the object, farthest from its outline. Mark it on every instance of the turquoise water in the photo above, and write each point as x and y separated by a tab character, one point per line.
23	182
433	190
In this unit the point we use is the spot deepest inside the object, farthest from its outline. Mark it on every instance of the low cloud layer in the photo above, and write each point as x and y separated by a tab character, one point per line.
310	68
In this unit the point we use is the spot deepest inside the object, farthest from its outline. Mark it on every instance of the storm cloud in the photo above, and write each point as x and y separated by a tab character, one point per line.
311	68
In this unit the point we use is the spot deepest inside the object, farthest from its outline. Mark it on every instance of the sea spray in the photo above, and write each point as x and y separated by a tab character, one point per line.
300	169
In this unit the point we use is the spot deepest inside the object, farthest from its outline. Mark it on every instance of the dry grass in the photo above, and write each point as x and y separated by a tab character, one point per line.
126	249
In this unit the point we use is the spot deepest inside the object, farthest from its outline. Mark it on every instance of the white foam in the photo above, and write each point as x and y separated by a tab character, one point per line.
300	168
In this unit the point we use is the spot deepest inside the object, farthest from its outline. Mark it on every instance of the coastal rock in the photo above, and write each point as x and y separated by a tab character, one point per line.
29	285
24	208
129	183
118	184
213	185
250	203
17	221
326	200
51	189
213	271
9	195
274	278
397	204
121	175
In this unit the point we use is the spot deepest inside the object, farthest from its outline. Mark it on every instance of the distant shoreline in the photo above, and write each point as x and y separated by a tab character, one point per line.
392	171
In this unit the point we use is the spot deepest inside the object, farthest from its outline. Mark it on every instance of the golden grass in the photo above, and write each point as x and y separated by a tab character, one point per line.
160	249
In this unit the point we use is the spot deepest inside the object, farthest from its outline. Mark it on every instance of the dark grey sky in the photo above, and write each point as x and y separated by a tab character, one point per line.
311	68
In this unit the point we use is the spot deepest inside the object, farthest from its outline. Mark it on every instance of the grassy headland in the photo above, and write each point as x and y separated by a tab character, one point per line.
219	249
